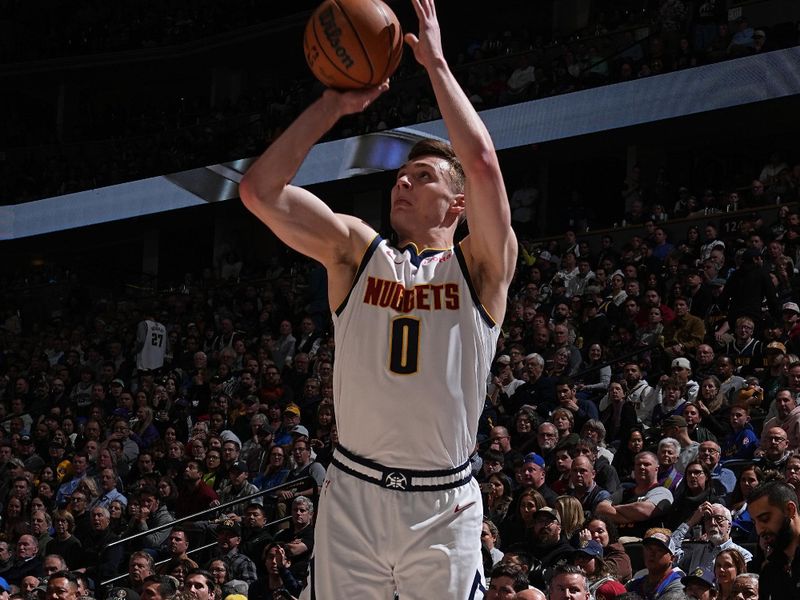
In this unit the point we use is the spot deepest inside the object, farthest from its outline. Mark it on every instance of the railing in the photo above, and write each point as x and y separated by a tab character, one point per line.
616	359
295	483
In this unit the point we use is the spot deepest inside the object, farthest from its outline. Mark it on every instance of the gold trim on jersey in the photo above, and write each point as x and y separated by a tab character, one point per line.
419	252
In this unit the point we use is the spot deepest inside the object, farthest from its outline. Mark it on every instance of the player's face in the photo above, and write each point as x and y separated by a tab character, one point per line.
568	587
422	195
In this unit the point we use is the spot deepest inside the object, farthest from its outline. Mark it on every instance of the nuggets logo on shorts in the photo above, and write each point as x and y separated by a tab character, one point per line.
395	481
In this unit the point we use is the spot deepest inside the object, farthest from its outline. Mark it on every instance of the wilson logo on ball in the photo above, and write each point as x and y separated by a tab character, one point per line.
334	34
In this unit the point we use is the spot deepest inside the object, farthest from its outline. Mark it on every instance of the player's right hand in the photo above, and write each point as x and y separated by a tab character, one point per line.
347	102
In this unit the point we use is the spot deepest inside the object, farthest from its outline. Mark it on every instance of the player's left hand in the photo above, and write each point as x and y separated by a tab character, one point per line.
427	44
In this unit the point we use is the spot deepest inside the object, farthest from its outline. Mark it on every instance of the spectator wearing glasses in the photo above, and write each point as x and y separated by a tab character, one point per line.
709	455
79	507
65	544
500	441
774	451
788	418
715	536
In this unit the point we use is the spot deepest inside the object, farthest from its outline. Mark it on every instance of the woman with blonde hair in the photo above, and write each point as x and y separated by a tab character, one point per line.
144	433
64	543
564	421
570	511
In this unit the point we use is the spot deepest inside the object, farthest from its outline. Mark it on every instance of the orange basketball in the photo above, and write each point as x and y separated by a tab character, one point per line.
353	44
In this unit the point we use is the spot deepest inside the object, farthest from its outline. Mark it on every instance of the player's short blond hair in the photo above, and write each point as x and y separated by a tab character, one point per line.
444	151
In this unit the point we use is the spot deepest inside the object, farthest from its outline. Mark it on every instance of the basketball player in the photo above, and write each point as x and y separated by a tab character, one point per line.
415	331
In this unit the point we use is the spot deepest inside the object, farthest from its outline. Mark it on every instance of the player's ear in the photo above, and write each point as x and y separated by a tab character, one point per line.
457	204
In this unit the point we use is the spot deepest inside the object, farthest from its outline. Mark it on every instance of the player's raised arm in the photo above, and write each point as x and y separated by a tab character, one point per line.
298	217
491	248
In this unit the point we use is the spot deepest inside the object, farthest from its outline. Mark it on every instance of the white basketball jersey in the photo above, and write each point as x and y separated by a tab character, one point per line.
413	351
155	347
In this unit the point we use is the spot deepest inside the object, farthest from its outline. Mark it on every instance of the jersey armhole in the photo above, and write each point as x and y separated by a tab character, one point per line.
370	250
462	263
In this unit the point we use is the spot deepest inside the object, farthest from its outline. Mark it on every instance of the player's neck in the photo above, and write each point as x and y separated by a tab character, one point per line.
431	240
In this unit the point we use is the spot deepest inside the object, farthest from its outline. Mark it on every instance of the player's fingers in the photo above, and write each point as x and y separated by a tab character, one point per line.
417	8
411	40
426	6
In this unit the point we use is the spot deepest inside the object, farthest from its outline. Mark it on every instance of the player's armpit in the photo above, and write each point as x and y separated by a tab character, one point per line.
491	272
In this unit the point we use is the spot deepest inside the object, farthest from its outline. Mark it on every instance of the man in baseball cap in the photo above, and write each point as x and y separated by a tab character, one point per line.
698	584
237	486
790	315
791	307
291	418
661	576
240	566
547	543
530	474
591	550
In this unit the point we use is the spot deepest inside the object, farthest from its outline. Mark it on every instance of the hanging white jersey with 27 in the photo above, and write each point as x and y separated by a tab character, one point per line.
151	356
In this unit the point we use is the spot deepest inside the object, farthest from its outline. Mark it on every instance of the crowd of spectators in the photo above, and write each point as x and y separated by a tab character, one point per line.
157	134
44	29
641	390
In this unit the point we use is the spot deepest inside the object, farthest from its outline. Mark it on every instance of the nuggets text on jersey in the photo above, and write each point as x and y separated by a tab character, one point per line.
426	296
